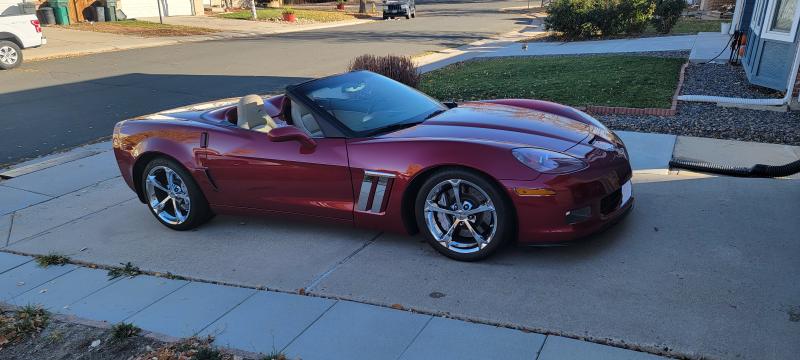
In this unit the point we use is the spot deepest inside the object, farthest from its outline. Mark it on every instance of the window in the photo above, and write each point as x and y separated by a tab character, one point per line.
784	16
365	102
781	20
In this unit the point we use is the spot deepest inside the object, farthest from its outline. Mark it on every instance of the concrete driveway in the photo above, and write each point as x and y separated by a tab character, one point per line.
704	266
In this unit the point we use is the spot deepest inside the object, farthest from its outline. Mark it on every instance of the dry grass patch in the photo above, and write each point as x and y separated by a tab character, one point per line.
140	28
18	325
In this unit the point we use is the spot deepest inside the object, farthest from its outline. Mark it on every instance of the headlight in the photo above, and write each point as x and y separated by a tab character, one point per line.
549	162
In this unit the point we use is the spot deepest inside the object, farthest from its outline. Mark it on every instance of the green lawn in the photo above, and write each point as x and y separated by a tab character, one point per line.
691	26
301	14
606	80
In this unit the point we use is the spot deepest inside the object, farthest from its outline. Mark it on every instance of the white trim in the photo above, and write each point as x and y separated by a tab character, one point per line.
778	35
755	22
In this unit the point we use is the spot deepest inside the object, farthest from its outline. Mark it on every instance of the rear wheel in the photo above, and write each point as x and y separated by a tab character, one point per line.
462	214
173	196
10	55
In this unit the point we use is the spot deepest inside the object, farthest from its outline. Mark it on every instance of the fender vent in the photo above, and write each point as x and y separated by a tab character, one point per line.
374	191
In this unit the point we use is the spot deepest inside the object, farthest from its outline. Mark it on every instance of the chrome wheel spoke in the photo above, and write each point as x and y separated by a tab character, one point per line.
160	206
448	236
456	185
431	206
178	213
478	238
153	181
170	178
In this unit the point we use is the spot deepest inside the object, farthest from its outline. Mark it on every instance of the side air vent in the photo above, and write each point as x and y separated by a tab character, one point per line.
374	191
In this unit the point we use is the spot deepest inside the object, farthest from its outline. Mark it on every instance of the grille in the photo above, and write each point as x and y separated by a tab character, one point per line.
611	202
395	7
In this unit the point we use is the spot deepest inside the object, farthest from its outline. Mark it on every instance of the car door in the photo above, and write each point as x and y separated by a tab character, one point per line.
250	171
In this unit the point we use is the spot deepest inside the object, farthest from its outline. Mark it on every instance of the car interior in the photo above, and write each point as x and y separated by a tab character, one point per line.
250	115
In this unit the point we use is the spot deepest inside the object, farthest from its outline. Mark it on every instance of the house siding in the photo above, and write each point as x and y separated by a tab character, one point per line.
767	62
747	14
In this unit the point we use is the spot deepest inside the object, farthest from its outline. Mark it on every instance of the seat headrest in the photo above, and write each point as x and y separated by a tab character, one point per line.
250	112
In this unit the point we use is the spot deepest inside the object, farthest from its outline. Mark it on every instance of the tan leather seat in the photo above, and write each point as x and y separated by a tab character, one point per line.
304	119
251	114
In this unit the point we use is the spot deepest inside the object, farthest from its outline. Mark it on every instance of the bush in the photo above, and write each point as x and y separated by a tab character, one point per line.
570	17
585	18
667	13
635	15
399	68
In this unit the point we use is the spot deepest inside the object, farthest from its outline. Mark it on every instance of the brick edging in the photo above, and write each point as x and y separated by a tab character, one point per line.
618	110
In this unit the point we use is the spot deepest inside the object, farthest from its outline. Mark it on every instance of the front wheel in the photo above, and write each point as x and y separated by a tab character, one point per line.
463	215
10	55
173	196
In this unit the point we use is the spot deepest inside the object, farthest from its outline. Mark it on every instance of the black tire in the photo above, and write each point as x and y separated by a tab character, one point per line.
408	17
414	14
504	214
199	211
10	47
385	17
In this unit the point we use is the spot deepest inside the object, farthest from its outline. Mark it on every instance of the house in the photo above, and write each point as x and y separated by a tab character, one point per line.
131	8
771	48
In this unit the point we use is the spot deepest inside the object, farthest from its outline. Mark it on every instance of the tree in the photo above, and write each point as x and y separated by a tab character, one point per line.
253	9
362	6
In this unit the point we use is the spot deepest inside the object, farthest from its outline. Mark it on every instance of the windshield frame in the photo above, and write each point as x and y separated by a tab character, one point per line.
298	92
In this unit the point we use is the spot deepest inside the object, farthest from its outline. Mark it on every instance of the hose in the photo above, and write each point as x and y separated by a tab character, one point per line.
756	171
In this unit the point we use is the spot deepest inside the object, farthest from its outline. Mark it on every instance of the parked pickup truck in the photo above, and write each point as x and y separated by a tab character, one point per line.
18	32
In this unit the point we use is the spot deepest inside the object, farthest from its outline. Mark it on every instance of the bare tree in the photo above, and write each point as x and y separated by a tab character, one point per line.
253	9
362	6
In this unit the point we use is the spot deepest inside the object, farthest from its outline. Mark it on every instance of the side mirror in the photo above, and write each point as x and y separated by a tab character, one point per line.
291	133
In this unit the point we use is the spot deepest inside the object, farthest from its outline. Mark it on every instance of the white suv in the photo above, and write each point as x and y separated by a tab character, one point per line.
18	32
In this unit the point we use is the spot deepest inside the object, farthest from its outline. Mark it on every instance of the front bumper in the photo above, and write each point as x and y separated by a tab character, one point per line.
582	204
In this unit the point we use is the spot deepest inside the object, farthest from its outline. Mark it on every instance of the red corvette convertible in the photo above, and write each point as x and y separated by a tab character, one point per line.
362	149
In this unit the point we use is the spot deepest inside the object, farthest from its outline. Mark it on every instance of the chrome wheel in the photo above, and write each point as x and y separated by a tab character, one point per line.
167	195
8	55
460	216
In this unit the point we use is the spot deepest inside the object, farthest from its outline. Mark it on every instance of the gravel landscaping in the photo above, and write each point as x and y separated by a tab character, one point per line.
710	120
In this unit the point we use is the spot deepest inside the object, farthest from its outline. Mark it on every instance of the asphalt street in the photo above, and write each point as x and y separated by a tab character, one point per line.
58	104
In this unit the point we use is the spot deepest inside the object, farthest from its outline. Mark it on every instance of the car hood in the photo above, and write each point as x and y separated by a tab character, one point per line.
512	125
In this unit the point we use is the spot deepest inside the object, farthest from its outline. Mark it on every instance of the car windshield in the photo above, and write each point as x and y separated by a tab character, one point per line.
368	103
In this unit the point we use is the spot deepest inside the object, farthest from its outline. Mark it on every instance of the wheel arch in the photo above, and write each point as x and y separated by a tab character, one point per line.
409	195
11	37
141	163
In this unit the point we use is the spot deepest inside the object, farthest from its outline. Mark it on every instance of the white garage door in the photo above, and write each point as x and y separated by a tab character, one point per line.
149	8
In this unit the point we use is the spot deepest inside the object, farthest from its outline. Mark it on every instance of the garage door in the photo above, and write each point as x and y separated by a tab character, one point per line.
149	8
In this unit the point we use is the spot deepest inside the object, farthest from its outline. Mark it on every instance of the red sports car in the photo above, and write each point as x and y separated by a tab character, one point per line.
362	149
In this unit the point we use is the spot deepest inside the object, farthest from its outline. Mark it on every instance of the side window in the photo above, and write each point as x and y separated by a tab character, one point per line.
305	120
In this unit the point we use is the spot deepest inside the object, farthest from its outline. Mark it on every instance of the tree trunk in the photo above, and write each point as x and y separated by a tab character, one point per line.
253	9
362	6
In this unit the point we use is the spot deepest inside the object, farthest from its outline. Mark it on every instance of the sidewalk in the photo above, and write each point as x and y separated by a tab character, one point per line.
259	321
65	42
511	45
250	28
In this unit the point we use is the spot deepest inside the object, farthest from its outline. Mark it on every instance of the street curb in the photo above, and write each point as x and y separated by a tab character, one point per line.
221	35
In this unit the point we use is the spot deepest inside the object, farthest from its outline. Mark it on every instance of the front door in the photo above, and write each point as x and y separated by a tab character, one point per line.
251	171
